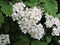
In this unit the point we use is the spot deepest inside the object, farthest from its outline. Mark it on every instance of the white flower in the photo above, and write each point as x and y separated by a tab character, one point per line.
27	20
57	21
49	23
18	11
4	39
49	20
37	31
55	32
19	5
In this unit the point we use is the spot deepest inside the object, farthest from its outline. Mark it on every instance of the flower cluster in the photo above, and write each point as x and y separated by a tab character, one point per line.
37	31
50	21
4	39
27	19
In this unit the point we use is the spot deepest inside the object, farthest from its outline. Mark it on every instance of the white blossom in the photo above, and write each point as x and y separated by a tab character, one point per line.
27	19
57	21
37	31
49	20
56	31
4	39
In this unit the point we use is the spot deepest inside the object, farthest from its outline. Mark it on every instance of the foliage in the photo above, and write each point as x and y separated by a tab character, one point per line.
51	6
7	26
7	10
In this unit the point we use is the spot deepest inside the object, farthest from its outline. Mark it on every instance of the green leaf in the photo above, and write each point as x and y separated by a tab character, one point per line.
57	15
24	37
32	3
1	18
3	3
20	43
48	39
42	1
7	10
37	42
51	7
16	1
6	28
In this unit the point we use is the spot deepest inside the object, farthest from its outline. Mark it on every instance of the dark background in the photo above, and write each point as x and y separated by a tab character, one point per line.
58	2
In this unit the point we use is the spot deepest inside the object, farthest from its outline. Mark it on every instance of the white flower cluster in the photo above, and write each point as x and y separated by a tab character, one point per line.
37	31
56	31
4	39
27	19
50	21
18	11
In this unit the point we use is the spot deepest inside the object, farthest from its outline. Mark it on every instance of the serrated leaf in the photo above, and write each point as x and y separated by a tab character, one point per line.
37	42
1	18
7	10
51	6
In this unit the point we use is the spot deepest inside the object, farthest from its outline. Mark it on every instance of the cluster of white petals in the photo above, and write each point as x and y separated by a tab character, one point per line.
27	19
4	39
50	21
18	11
56	31
37	31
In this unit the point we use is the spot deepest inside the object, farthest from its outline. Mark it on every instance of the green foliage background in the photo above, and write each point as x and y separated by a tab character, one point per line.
7	26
